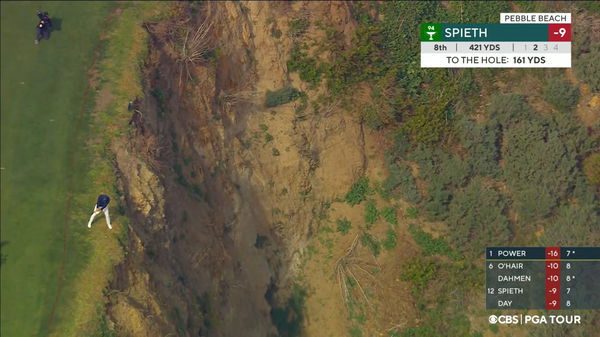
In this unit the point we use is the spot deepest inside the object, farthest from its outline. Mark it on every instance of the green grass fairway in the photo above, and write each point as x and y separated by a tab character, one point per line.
44	124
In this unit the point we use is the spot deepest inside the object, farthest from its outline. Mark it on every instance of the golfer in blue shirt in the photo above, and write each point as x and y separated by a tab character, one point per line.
101	206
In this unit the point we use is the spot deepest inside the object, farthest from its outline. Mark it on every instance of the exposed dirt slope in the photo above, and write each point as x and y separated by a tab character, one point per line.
225	194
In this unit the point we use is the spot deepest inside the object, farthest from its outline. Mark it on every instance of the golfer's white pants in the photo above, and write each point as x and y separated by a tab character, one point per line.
106	215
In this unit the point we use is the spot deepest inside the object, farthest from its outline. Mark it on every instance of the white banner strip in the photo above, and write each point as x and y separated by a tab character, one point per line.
495	47
503	60
535	17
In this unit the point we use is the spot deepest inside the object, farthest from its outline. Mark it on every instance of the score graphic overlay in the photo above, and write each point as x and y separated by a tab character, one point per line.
499	45
550	278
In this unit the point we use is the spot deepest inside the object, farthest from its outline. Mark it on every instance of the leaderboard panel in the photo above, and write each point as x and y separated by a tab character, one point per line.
495	45
549	278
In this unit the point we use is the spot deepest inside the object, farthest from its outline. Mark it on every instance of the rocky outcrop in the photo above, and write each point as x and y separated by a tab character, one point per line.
143	187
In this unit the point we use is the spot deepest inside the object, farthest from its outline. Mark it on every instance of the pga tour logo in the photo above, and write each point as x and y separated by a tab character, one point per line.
534	319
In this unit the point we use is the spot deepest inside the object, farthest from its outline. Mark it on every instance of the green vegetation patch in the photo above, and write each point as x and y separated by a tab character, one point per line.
481	142
298	27
442	172
429	245
439	288
587	67
428	122
343	225
418	271
509	109
478	11
358	192
560	93
371	213
391	238
355	331
353	65
369	241
281	96
308	68
573	224
591	167
538	168
389	215
477	218
400	183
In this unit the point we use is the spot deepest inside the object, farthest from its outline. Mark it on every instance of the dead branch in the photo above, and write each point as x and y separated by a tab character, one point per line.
346	268
194	47
330	107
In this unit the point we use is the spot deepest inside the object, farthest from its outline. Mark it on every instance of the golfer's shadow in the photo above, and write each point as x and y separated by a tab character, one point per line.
56	26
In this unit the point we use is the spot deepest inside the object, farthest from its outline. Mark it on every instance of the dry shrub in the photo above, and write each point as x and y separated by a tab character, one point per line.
353	273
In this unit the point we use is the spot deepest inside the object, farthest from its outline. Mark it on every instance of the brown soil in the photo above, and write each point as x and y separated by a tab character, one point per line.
222	217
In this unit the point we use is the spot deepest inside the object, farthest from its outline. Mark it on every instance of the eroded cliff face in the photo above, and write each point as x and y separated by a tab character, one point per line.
224	193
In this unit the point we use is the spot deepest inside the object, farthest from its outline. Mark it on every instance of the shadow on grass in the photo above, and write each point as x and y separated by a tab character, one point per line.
56	27
56	24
